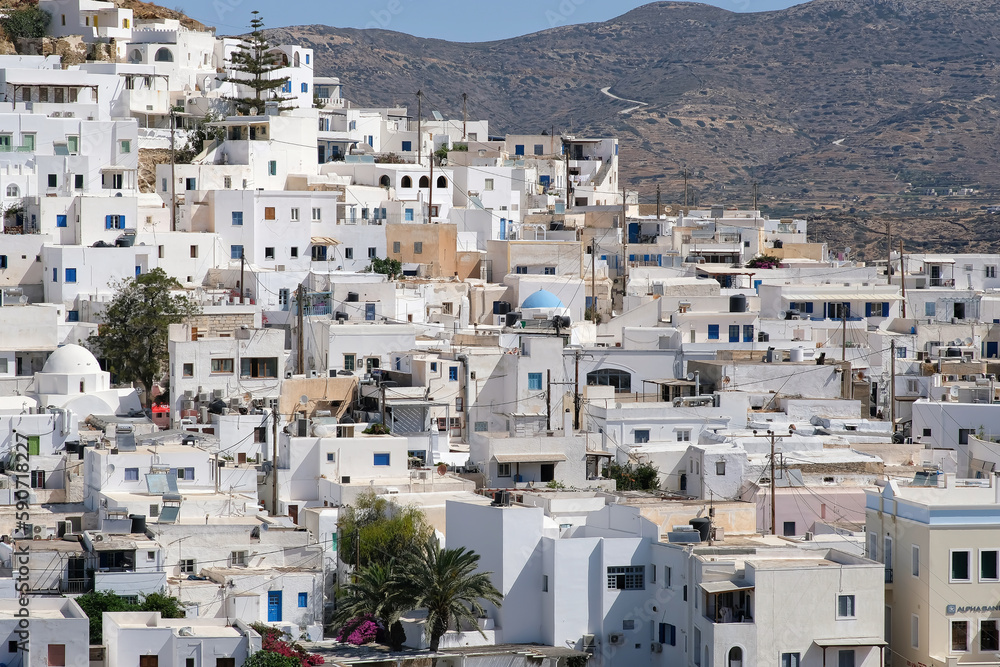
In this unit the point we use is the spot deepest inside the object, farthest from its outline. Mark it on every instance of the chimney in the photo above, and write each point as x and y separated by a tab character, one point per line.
568	422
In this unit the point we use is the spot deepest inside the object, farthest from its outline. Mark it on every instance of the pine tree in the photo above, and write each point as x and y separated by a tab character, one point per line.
253	63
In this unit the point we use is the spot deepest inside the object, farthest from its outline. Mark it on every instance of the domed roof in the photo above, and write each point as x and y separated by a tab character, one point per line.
71	359
542	299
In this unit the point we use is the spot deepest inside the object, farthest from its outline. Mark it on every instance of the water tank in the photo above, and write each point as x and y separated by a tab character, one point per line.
501	307
341	317
324	430
352	297
797	355
138	523
763	337
769	358
702	525
737	303
512	318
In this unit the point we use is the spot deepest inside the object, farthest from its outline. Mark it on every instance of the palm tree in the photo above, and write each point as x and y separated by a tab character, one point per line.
376	591
446	583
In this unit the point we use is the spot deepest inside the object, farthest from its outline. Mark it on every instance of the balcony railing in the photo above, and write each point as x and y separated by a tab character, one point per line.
888	575
77	586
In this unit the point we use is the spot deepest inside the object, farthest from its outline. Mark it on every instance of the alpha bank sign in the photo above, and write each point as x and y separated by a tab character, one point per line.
953	609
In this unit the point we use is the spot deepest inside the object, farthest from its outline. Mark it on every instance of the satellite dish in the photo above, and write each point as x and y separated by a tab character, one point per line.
253	111
782	315
847	250
690	376
953	390
303	400
968	342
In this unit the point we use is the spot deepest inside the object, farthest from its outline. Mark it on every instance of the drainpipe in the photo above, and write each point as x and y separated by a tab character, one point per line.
464	360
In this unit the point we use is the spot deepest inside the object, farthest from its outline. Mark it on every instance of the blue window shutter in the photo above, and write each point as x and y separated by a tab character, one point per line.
107	222
868	309
713	332
55	275
60	221
885	309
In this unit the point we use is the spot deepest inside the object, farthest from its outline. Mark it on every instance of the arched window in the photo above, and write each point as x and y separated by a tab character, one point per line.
296	59
736	657
164	55
407	182
425	182
442	182
385	182
13	191
611	377
135	56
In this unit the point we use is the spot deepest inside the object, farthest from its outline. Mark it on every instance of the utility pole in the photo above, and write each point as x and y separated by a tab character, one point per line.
243	266
274	459
576	393
755	195
657	201
625	237
593	279
430	193
773	437
300	362
902	275
173	170
420	136
548	399
888	251
892	386
685	175
843	336
465	117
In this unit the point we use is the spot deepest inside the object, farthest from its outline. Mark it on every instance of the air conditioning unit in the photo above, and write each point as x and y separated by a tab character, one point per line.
616	639
203	397
216	393
189	394
280	268
656	647
589	643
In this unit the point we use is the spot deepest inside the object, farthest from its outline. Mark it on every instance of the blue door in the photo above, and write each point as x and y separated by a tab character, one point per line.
369	312
274	606
633	232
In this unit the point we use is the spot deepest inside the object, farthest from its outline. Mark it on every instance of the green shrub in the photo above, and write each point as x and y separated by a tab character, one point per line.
28	22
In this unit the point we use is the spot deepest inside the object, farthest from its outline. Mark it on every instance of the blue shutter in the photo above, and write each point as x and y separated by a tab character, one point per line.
885	309
868	309
713	332
107	222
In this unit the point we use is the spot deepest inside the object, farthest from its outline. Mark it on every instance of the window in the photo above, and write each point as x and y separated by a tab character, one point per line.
791	659
350	362
381	459
453	373
989	636
259	367
272	168
348	253
331	457
237	218
684	435
70	275
503	470
930	309
125	146
57	655
667	576
408	215
519	149
60	221
845	658
991	271
481	427
235	252
959	636
521	270
960	566
131	474
222	365
190	183
788	529
988	565
319	253
372	253
488	185
294	215
185	473
550	270
441	183
534	381
38	479
539	149
407	146
317	214
395	247
627	578
845	606
734	333
418	247
720	467
53	180
12	646
303	600
915	631
915	556
13	191
78	181
641	436
238	558
713	332
305	87
293	252
268	253
611	377
114	222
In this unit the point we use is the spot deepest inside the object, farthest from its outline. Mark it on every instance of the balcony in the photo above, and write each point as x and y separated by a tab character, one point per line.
76	586
888	575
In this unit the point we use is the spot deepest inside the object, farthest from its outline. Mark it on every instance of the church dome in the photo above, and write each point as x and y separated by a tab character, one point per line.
542	299
71	360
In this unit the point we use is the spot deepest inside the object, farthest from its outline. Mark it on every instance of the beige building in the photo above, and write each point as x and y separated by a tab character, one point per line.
937	537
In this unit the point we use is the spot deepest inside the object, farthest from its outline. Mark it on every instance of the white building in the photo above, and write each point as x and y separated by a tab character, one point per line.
148	639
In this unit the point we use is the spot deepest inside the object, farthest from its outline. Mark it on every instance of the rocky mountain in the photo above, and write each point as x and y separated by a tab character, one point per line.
827	104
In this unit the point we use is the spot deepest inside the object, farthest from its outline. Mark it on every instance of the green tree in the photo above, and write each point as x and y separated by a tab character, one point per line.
27	22
94	604
628	477
375	591
387	267
199	137
254	63
271	659
133	336
385	530
445	583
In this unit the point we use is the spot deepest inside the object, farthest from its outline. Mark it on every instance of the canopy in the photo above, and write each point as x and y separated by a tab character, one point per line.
554	457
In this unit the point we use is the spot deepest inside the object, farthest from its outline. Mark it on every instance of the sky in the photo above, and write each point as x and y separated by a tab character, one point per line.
455	20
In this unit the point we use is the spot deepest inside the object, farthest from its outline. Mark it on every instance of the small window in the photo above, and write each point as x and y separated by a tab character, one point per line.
238	558
488	185
960	566
481	427
381	459
53	180
317	214
194	252
408	215
926	432
227	182
713	332
915	631
915	564
154	510
331	457
550	271
720	468
185	474
150	555
534	381
395	247
627	578
959	636
305	87
989	636
845	606
293	252
503	470
988	565
791	659
684	435
348	253
303	600
235	252
294	215
61	221
237	218
453	373
350	361
131	474
268	253
641	436
845	658
418	247
70	275
125	146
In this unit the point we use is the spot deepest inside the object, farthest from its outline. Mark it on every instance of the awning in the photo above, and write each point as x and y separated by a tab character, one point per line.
324	240
829	643
593	453
529	458
715	587
837	297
